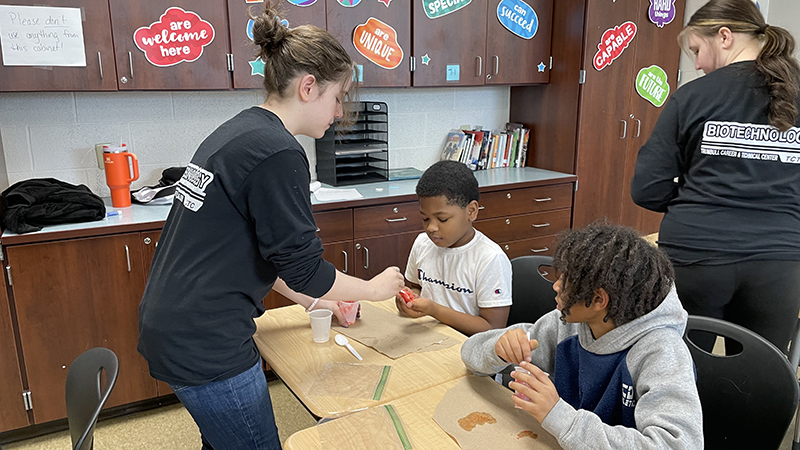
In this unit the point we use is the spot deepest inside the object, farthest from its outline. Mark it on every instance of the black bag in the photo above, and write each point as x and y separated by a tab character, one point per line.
32	204
164	192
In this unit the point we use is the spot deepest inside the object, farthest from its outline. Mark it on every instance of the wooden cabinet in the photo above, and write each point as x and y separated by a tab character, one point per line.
526	221
99	73
90	299
344	23
12	413
202	63
601	141
511	59
471	47
245	74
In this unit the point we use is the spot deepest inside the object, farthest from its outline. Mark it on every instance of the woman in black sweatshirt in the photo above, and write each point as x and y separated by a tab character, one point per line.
722	164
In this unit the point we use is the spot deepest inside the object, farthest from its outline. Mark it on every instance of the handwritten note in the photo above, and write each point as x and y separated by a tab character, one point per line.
41	36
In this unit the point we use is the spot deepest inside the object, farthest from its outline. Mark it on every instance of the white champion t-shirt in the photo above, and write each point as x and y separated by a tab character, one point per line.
467	278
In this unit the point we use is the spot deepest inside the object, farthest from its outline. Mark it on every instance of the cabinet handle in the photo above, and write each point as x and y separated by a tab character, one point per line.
540	225
508	221
540	250
128	257
496	64
402	219
480	66
317	229
100	63
508	196
542	199
544	274
147	240
481	207
345	261
638	127
130	61
366	257
624	129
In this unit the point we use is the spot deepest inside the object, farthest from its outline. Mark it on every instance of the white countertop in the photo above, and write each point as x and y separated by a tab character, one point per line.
142	214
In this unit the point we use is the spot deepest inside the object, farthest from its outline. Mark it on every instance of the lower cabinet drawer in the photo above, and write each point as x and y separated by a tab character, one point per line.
334	226
545	245
386	219
525	226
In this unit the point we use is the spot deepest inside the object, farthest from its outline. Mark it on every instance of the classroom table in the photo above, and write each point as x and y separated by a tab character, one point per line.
284	339
415	411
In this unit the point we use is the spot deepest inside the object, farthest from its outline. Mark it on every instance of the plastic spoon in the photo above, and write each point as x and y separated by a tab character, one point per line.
341	340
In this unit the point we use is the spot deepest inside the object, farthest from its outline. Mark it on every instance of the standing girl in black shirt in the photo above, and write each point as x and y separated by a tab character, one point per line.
722	163
242	218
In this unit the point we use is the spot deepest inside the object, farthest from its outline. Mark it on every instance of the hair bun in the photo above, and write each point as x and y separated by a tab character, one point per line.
268	32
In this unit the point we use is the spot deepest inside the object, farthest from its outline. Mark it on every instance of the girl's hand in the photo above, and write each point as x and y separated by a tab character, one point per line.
540	390
386	284
422	306
333	306
514	347
405	310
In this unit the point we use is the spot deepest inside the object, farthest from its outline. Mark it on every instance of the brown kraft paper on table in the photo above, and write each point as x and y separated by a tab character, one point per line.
485	408
393	335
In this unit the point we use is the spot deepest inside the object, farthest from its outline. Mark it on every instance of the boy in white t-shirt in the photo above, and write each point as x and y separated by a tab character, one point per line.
461	277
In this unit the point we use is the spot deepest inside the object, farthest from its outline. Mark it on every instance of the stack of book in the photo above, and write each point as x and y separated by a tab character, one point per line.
482	149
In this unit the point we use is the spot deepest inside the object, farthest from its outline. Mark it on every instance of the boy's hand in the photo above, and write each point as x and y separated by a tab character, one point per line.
386	284
405	310
542	392
514	347
422	306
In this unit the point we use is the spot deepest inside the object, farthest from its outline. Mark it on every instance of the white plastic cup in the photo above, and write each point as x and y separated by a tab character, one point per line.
321	324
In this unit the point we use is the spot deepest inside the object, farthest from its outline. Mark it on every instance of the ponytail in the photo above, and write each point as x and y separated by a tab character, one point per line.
782	73
775	61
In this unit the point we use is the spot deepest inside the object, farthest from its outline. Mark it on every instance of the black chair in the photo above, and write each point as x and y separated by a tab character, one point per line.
794	361
748	398
533	295
86	396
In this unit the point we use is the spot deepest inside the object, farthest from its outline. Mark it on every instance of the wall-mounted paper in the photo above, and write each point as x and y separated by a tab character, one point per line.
41	36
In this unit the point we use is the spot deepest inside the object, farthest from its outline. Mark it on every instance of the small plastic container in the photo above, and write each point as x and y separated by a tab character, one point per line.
350	311
517	393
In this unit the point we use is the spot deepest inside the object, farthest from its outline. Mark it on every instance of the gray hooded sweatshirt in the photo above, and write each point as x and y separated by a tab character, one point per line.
634	388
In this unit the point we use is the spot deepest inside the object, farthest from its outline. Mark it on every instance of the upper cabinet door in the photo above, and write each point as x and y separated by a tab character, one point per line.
179	44
247	71
98	74
450	43
518	41
377	35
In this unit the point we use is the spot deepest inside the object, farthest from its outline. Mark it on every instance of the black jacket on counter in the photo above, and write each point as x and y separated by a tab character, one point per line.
32	204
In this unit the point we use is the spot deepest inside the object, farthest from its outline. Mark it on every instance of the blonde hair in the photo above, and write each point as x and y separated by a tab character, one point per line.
775	61
291	52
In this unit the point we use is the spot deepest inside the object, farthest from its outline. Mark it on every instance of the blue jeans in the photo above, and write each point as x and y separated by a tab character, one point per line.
233	414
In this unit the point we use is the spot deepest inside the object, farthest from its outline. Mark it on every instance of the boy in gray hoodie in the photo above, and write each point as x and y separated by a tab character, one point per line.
620	375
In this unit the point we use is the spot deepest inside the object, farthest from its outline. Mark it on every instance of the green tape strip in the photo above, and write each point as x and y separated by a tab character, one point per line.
401	432
381	384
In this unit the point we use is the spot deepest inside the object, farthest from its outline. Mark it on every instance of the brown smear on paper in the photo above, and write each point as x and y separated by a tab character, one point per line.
514	428
393	335
475	419
527	433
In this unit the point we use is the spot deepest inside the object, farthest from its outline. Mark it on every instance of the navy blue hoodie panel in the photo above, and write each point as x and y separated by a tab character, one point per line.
598	383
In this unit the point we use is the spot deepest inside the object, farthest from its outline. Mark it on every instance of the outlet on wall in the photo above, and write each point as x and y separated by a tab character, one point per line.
98	148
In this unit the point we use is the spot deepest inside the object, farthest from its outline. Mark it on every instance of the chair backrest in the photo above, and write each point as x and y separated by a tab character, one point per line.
86	396
532	294
748	398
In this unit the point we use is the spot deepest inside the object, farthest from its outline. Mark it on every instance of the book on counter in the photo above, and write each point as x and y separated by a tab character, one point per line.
482	149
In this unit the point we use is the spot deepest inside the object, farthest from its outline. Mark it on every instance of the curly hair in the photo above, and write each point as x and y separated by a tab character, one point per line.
636	275
452	179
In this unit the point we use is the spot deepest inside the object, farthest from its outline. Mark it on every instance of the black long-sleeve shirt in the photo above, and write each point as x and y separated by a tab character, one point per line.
242	217
737	195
